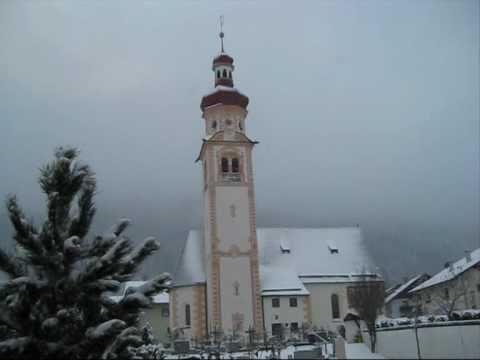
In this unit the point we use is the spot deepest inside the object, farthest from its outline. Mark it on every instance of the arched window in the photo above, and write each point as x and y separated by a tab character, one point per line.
224	73
230	74
235	165
335	306
225	165
218	74
187	315
214	124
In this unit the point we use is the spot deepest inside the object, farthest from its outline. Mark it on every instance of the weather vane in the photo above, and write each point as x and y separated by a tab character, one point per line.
221	31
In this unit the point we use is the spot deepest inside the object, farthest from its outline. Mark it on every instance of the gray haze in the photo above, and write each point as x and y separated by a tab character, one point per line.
367	113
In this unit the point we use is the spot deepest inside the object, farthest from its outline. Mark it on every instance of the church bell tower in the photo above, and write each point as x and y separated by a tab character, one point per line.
231	254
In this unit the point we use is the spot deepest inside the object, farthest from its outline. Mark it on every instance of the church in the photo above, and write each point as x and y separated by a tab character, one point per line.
232	277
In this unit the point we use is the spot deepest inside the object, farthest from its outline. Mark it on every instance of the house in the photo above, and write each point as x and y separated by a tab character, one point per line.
456	287
157	316
399	302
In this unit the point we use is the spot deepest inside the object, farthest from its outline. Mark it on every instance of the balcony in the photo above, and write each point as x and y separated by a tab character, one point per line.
231	177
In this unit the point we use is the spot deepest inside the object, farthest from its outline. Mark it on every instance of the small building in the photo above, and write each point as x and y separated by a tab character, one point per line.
399	302
157	316
456	287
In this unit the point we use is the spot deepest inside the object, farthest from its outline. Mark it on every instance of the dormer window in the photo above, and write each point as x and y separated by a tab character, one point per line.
332	247
284	248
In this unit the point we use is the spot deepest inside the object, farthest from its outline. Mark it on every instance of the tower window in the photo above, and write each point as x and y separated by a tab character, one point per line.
230	74
236	288
187	315
224	73
335	306
218	74
240	125
214	124
225	168
235	165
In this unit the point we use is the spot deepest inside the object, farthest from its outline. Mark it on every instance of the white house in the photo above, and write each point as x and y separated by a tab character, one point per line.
456	287
233	277
400	302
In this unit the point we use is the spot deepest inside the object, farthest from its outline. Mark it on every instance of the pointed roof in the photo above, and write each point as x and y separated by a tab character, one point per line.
191	267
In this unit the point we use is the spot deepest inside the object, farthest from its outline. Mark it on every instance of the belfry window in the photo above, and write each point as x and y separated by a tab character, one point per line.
224	73
218	74
230	74
235	165
225	167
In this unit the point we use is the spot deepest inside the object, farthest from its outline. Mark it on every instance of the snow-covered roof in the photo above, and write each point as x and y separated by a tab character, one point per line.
402	288
452	271
161	298
309	258
222	88
191	267
317	253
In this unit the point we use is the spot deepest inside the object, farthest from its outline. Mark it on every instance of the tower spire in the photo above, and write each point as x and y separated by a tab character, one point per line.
221	32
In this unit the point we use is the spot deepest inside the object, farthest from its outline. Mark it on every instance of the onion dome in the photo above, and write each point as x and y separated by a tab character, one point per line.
222	59
226	96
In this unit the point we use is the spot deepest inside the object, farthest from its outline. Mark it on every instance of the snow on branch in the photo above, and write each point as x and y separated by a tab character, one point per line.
15	345
153	286
108	328
144	249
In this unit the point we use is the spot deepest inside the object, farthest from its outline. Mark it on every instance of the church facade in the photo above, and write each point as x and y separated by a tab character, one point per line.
232	277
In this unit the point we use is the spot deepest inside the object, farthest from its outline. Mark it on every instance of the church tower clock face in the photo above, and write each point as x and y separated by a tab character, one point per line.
231	254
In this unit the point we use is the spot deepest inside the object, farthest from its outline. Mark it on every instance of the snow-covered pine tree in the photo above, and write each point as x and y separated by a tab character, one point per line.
55	303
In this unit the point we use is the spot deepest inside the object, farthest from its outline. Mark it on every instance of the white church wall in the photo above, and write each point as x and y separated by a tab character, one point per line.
284	314
179	299
320	295
234	271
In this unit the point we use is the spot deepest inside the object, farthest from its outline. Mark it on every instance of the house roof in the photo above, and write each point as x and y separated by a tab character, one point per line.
402	288
451	272
290	257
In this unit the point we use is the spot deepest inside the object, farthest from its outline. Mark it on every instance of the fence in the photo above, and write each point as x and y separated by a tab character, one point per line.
451	339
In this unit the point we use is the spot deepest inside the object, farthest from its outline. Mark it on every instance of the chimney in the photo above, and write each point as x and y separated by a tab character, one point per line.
468	255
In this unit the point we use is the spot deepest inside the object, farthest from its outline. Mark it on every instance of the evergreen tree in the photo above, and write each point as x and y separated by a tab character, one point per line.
55	303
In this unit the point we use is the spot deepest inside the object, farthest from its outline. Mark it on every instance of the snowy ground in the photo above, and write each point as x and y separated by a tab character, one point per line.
287	353
360	351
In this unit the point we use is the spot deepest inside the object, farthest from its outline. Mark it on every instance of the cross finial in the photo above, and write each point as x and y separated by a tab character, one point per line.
221	31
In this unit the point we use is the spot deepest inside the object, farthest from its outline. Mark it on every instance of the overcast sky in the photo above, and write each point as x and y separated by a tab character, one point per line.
367	112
